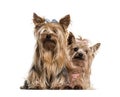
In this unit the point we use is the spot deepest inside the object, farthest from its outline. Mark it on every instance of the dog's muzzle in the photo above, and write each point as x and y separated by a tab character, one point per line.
79	56
49	43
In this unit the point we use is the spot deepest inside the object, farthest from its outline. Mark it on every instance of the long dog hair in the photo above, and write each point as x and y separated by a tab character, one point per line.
48	69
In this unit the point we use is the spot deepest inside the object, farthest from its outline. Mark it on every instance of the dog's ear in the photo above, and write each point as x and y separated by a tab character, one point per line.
37	19
71	39
65	21
95	47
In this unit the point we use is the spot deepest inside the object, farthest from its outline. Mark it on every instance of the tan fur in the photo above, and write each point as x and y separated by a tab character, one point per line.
50	58
81	57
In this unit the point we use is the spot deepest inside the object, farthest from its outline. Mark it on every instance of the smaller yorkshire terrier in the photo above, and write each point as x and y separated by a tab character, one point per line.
48	70
81	57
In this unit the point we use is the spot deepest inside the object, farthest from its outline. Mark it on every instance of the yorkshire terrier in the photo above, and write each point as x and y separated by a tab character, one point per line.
81	57
48	69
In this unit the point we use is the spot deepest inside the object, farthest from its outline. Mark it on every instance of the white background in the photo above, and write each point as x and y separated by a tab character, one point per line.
97	20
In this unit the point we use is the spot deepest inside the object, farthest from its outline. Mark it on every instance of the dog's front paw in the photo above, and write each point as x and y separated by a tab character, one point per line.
55	88
67	88
25	86
78	87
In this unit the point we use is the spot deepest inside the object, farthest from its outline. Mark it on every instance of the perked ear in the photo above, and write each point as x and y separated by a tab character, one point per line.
65	21
37	19
71	39
95	47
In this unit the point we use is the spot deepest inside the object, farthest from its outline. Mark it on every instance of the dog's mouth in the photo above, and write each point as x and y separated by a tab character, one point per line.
79	58
49	44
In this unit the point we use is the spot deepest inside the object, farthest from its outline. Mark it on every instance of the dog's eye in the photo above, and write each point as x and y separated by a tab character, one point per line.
86	51
76	49
44	30
54	30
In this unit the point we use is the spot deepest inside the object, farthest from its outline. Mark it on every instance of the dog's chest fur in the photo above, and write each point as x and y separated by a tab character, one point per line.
52	67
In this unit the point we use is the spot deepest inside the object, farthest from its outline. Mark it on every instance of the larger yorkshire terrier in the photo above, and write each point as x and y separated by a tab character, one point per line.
48	69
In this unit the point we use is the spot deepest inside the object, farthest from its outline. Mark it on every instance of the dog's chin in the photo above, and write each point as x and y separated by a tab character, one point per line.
49	45
78	61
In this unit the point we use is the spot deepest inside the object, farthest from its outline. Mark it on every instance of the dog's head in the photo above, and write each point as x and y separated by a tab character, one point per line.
51	35
80	52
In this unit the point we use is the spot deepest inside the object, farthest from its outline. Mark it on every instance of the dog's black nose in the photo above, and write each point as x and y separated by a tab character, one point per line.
48	36
80	55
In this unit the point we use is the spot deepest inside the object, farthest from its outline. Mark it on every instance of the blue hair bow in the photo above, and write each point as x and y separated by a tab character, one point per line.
53	21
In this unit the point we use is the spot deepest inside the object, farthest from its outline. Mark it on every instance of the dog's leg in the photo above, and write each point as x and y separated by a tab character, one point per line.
59	82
